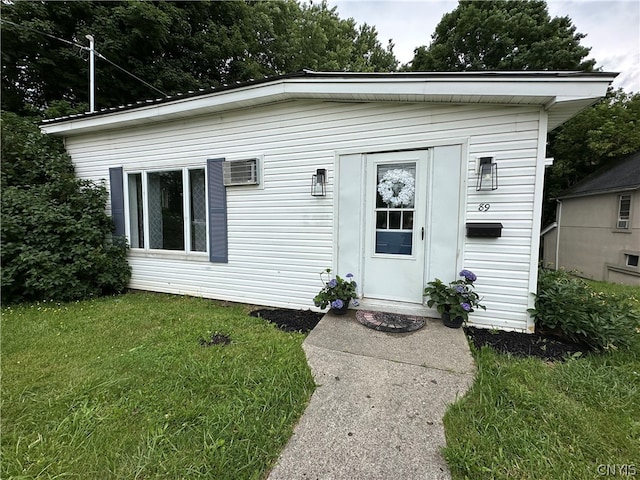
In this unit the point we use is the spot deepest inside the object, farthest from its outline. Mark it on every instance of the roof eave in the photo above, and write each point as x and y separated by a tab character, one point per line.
630	188
564	94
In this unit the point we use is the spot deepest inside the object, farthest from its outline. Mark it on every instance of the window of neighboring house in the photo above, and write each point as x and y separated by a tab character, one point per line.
632	260
168	210
624	211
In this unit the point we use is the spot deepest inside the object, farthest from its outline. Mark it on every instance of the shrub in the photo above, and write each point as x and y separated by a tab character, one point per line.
336	291
55	236
458	297
567	304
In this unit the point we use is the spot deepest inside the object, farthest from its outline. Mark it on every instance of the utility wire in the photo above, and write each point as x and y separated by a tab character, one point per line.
98	54
128	73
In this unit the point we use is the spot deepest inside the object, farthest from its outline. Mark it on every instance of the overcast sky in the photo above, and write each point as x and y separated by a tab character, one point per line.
612	28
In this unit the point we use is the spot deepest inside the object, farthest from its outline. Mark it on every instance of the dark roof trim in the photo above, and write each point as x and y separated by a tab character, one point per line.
485	75
597	192
620	175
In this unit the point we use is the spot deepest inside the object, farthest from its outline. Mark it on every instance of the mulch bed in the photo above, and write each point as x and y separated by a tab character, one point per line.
544	346
290	320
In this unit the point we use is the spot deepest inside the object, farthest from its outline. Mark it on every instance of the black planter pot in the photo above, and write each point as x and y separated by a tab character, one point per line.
343	310
451	322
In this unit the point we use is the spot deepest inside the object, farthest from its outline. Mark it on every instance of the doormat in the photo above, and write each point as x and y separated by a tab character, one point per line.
390	322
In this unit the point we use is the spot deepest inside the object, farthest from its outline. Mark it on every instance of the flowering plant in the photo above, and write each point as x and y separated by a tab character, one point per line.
397	188
458	297
336	291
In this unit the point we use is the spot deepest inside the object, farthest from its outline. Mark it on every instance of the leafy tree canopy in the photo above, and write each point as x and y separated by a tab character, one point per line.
502	35
174	46
608	130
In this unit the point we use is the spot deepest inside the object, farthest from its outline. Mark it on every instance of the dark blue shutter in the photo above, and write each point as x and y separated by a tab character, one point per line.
218	251
117	200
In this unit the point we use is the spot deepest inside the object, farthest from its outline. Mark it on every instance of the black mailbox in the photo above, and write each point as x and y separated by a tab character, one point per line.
486	230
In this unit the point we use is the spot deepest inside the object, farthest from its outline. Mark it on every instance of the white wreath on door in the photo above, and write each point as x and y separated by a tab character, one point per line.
397	188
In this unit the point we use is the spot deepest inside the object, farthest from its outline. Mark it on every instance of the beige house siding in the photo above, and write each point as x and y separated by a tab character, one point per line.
549	243
589	243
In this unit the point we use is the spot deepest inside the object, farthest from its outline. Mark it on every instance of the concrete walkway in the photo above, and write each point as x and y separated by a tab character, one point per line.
377	410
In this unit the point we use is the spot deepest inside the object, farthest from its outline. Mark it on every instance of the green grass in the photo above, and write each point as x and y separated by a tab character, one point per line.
527	419
627	291
121	388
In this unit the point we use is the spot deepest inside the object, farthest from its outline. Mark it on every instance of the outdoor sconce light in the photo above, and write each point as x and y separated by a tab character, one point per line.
318	183
487	174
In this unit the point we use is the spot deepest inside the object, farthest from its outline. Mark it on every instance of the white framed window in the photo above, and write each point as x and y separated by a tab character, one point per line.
631	260
167	209
624	212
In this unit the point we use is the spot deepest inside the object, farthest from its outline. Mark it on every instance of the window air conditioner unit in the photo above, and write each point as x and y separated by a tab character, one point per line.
240	172
623	224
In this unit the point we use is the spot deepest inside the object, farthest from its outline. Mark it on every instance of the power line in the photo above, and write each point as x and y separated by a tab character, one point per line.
98	54
128	73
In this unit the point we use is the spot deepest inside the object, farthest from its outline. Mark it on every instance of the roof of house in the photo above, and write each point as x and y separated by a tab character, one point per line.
620	175
562	94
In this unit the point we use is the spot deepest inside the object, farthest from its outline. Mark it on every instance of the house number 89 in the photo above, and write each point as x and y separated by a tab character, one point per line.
484	207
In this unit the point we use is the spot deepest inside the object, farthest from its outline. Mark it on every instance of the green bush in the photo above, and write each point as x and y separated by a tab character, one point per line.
568	305
56	237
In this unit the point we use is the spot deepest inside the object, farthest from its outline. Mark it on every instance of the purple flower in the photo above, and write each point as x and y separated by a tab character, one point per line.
355	303
469	275
461	289
349	275
333	283
465	306
337	304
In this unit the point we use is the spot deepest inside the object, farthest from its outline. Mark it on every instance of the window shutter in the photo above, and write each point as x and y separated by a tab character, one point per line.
218	251
117	200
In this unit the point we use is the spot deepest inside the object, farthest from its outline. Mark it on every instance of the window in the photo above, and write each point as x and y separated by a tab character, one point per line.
168	210
632	260
624	211
395	208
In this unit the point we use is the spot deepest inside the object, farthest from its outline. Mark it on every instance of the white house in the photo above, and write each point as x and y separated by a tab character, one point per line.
214	188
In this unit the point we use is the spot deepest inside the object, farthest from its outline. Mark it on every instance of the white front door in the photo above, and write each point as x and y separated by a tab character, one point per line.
395	211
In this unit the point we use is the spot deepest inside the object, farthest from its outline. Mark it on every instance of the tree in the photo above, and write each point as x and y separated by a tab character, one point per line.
55	235
608	130
502	35
175	46
520	35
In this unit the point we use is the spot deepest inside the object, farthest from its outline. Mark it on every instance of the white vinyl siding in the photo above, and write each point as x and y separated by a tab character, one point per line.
280	237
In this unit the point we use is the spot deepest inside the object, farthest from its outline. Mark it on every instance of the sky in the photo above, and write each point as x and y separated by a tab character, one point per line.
612	28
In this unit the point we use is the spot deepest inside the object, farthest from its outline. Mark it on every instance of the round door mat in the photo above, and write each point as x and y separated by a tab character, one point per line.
390	322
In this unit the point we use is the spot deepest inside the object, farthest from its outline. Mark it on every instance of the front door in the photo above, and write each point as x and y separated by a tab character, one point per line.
395	213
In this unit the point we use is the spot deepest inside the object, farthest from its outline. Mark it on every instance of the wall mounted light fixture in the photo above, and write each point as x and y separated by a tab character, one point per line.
487	174
318	183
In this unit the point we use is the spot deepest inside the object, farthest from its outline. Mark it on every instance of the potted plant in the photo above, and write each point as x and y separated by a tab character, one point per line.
454	301
337	292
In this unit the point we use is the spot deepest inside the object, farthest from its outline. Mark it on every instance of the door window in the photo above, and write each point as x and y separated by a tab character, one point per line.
395	208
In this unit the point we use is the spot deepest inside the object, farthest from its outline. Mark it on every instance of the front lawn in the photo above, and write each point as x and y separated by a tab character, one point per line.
123	387
531	419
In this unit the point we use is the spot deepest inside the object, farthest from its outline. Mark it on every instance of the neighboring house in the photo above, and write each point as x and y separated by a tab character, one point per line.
214	189
597	233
